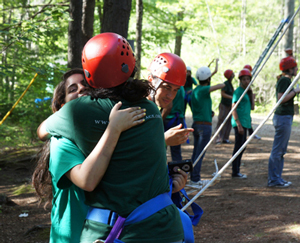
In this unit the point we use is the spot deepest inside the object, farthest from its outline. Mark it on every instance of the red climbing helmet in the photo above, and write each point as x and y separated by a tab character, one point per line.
245	72
248	67
228	73
287	63
107	60
169	67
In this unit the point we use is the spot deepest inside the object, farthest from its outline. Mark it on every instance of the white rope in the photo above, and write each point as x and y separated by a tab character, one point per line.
237	103
244	145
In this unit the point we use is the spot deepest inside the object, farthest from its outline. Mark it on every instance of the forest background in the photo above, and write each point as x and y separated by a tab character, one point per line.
42	37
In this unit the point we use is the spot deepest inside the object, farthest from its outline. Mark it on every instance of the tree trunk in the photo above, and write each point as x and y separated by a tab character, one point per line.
100	13
296	36
178	41
179	34
138	32
88	8
75	34
288	12
116	16
243	27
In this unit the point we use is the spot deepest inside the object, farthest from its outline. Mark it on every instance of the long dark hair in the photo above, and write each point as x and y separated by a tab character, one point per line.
131	90
41	178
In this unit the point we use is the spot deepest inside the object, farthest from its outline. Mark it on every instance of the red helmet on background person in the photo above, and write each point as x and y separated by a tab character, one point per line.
228	73
289	51
107	60
287	63
245	72
248	67
168	67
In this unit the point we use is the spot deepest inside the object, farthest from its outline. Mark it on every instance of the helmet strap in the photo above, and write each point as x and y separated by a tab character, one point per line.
157	83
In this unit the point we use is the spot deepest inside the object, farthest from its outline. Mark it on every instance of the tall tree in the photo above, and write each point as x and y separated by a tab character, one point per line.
243	26
179	31
288	12
138	33
116	16
88	9
75	34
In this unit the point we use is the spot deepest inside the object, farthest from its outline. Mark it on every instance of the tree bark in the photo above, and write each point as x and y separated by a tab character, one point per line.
75	34
116	16
179	34
88	9
139	23
100	13
288	12
243	26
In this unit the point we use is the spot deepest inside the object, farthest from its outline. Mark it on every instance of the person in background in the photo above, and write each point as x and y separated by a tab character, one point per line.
240	120
188	88
224	108
252	100
174	118
167	75
282	121
202	124
216	67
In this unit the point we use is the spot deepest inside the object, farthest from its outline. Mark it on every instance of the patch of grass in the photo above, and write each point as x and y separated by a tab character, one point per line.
23	189
259	235
295	124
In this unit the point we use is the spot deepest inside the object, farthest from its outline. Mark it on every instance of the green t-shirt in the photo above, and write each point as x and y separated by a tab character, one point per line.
228	89
201	104
137	171
243	110
189	83
68	209
178	105
286	108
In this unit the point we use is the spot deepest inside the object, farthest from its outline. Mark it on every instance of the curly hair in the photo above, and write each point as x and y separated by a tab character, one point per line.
132	90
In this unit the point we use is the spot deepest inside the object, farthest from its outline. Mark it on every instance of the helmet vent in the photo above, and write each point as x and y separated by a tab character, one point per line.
123	47
87	74
125	68
126	53
122	53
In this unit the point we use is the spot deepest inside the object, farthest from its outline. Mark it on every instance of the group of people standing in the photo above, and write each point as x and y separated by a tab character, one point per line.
104	168
200	102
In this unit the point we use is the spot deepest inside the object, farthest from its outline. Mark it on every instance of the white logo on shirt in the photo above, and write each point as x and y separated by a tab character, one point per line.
153	116
101	122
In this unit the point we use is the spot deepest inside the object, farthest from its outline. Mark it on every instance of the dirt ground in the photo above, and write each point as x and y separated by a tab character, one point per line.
234	210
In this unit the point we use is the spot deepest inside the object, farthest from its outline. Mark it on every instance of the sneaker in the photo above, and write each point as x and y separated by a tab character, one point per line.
226	141
240	176
257	137
198	184
280	185
218	142
287	182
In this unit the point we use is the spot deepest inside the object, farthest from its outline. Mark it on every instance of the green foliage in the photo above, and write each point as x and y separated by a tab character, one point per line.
23	189
33	40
